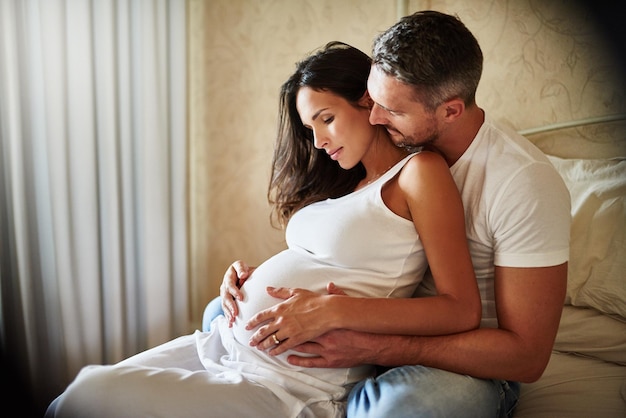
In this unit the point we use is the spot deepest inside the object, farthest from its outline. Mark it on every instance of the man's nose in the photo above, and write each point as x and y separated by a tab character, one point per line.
376	115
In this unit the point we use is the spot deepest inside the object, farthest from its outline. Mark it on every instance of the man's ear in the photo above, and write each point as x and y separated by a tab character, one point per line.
452	109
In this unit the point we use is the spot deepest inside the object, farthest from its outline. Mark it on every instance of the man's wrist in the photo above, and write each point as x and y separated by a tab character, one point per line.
395	350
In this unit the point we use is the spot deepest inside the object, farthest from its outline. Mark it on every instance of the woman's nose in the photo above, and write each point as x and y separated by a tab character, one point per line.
319	141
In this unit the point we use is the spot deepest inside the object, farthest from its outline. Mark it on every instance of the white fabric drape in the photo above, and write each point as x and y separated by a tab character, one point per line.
93	243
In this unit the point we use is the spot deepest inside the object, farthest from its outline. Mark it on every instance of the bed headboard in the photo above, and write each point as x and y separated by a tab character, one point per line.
590	138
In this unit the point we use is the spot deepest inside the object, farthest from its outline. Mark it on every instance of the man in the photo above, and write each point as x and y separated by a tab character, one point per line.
423	81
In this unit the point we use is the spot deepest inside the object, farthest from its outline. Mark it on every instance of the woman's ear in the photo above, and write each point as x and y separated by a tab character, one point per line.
366	100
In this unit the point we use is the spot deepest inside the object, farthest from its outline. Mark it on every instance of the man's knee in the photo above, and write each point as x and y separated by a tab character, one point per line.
417	391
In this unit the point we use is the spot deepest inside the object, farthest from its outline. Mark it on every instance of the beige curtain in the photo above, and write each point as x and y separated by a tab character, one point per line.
93	245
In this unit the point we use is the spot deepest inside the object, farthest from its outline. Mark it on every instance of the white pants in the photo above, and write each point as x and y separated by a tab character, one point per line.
166	381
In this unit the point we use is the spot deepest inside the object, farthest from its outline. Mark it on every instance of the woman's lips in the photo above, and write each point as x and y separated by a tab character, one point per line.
334	155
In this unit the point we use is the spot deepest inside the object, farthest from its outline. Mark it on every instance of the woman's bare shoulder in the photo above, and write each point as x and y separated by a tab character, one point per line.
425	162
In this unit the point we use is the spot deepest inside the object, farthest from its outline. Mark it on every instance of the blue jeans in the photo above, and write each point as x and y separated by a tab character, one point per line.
212	310
418	391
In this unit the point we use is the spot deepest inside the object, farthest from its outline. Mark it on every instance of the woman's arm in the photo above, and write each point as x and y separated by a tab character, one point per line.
426	193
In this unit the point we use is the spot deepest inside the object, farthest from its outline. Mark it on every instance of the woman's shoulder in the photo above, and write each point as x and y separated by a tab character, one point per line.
424	173
425	160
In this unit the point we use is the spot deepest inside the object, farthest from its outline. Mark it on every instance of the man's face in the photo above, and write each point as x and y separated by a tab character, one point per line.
408	122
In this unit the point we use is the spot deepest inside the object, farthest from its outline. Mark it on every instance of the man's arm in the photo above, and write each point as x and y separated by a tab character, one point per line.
529	303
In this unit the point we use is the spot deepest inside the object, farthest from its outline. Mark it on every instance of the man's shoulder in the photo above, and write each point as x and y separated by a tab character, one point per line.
500	153
505	141
499	159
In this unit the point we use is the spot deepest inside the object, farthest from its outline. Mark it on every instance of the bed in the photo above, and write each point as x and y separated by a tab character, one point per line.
586	375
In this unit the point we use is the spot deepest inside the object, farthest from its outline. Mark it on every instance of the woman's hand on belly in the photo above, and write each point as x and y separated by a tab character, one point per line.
235	276
302	316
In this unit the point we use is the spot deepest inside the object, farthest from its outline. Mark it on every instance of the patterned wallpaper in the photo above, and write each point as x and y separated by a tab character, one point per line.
545	62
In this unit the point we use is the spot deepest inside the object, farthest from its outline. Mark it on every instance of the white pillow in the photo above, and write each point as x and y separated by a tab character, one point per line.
597	266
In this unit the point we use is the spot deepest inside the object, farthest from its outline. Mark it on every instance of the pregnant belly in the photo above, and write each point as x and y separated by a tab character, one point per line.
288	268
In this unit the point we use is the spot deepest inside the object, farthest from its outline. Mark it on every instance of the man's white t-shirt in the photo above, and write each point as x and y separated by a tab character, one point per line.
517	208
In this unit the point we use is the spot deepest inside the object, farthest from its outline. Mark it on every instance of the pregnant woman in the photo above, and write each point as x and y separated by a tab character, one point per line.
359	212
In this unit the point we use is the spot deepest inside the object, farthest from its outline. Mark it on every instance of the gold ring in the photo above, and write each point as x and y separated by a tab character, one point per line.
276	340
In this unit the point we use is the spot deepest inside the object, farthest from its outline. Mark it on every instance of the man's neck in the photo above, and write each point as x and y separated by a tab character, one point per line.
457	137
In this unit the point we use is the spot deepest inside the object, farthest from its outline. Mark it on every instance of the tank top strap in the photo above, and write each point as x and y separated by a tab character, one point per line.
396	168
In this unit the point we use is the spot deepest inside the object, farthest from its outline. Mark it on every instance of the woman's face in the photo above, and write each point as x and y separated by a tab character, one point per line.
339	128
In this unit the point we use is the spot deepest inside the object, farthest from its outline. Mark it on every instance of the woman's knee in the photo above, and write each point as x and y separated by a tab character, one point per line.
212	310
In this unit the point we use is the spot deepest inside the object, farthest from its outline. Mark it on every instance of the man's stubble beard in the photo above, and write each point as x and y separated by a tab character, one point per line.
409	142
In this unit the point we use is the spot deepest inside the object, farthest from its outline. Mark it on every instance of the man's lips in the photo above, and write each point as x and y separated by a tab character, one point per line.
392	131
